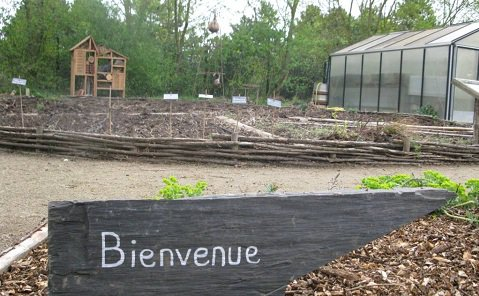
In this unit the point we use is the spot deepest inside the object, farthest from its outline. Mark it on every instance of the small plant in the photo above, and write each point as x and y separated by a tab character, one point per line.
40	106
174	190
459	208
334	111
428	110
394	129
272	187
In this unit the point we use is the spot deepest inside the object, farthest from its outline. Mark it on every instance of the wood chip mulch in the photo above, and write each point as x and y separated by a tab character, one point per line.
434	256
28	276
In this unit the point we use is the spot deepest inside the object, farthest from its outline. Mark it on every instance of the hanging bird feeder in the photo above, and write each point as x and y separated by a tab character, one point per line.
213	26
216	79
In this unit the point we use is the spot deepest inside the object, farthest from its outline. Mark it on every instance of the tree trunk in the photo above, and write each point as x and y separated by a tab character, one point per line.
284	71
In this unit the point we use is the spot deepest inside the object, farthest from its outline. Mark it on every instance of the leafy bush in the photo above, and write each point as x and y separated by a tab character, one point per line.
428	110
174	190
466	199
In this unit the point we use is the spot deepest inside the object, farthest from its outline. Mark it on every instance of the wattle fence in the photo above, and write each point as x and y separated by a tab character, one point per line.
220	149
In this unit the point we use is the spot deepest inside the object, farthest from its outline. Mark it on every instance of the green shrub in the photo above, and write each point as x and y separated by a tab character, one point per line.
467	195
428	110
174	190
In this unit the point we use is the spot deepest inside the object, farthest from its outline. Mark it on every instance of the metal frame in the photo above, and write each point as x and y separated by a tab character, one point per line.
379	79
449	95
422	77
344	77
361	83
400	82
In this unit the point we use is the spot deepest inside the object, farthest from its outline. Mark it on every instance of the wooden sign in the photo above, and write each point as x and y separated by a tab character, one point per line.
239	100
273	103
19	81
170	97
224	245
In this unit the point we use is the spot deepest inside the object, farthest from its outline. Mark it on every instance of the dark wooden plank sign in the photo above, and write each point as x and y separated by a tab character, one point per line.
224	245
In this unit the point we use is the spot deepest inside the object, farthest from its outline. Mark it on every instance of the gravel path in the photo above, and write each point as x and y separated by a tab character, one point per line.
28	182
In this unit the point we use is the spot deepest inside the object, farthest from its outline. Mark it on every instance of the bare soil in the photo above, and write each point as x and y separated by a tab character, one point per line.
151	118
28	182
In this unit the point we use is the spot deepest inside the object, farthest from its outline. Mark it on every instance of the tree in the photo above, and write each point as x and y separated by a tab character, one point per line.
317	35
252	51
34	44
414	15
286	57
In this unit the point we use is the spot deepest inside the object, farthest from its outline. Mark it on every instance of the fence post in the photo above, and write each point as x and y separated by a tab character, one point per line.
476	122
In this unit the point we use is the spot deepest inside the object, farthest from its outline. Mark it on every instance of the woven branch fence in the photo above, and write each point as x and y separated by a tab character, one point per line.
222	150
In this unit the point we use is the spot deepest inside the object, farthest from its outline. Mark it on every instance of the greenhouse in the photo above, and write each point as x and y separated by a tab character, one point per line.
408	72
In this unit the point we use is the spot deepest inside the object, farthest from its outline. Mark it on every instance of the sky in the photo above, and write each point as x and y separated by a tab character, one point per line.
230	11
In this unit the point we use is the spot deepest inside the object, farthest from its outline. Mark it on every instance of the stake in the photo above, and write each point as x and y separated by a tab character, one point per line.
21	107
237	118
171	129
476	122
204	120
109	112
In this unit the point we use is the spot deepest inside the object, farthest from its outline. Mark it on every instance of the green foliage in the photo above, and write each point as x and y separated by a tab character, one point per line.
167	50
390	182
428	110
467	194
39	106
174	190
272	187
414	15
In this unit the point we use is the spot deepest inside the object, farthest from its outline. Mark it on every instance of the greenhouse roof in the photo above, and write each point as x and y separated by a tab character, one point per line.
409	39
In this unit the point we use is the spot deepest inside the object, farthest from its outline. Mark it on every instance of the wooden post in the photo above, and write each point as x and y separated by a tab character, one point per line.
476	122
238	113
171	128
39	131
109	113
406	144
21	107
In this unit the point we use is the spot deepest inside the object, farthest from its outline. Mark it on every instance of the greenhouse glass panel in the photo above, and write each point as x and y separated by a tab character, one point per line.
457	34
359	44
472	40
436	35
466	67
336	83
435	79
411	81
381	40
352	81
415	37
390	73
370	88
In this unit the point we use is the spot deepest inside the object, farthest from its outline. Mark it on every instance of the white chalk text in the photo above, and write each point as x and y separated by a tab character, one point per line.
113	255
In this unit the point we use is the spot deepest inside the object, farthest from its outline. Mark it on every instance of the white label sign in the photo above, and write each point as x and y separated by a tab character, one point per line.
239	100
203	96
273	103
19	81
170	97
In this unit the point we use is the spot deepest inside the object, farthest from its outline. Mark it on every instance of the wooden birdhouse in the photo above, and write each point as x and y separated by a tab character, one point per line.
97	70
